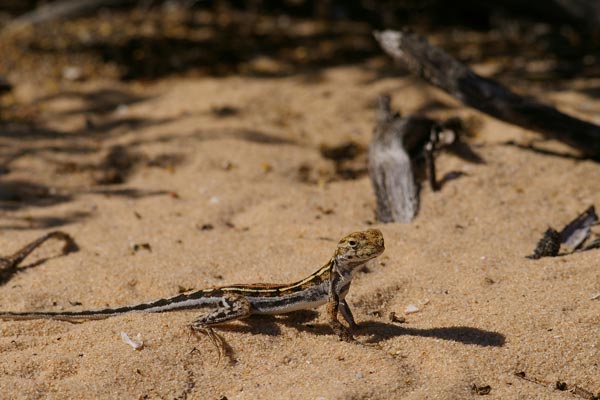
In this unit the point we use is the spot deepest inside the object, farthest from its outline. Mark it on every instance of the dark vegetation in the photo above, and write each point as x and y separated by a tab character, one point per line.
147	39
535	44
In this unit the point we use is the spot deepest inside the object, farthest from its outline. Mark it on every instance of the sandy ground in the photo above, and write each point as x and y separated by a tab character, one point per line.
241	155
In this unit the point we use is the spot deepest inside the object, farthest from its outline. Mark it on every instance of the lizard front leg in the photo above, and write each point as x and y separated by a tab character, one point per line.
332	309
347	314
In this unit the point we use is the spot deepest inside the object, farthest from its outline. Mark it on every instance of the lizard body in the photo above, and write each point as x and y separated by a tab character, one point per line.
328	285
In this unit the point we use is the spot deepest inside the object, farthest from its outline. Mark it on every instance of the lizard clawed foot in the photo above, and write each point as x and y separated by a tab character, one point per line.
354	327
216	339
345	334
347	337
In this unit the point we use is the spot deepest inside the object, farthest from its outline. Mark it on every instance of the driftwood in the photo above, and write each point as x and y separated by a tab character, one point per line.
402	152
399	146
577	231
59	10
390	166
442	70
572	236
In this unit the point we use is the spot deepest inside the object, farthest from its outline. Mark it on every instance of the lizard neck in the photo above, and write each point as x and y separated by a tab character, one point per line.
346	269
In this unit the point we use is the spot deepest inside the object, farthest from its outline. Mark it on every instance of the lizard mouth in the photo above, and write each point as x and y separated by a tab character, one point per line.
377	253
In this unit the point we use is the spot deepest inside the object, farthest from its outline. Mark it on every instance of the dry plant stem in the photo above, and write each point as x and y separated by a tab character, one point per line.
559	385
8	265
442	70
430	164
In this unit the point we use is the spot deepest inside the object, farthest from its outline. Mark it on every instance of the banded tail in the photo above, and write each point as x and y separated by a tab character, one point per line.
185	301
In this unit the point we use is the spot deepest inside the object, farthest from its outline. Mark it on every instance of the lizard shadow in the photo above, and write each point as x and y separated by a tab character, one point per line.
376	330
269	324
380	331
546	152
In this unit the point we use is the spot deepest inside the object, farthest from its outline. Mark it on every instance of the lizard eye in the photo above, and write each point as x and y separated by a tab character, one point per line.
352	243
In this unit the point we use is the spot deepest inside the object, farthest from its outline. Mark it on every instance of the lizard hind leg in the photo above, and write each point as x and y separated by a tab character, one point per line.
230	308
217	340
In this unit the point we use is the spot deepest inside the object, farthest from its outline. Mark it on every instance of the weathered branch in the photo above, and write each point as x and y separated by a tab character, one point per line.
59	10
390	165
573	236
442	70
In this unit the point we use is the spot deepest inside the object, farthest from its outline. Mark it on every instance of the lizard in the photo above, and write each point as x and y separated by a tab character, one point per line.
328	285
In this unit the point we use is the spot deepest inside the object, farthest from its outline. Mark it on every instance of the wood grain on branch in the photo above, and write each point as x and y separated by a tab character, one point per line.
390	162
442	70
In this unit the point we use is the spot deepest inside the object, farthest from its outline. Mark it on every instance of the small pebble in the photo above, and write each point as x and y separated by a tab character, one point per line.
137	344
122	109
72	73
411	308
206	227
394	318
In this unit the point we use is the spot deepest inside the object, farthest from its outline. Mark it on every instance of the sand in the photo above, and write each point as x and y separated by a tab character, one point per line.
248	197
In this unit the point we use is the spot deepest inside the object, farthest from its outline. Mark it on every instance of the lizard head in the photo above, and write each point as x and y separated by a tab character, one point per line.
358	247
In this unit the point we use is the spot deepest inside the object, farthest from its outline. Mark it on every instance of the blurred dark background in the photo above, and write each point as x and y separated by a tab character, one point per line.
144	39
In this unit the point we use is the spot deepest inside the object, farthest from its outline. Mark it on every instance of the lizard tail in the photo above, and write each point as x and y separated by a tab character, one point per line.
180	302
